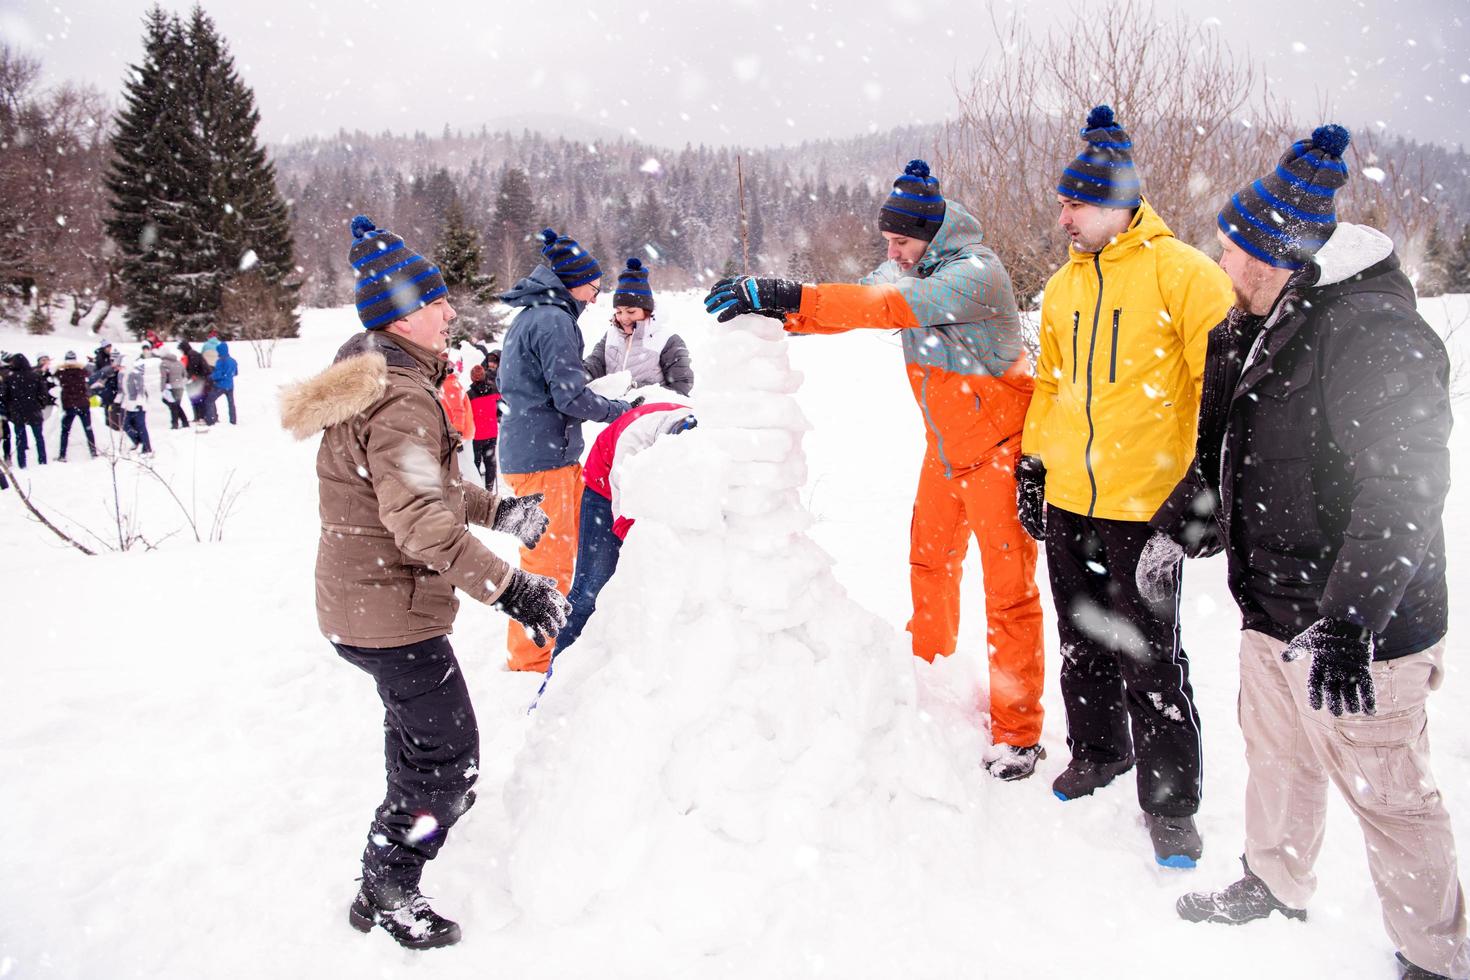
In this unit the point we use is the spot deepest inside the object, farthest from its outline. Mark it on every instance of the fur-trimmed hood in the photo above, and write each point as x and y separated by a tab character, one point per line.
355	382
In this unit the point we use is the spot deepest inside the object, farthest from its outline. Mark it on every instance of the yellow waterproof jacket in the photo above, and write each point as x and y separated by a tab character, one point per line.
1123	336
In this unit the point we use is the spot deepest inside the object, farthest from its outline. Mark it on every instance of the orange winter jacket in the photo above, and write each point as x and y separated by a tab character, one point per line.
961	334
457	406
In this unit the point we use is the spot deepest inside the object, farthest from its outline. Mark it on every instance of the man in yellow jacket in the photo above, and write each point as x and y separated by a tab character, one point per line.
1109	432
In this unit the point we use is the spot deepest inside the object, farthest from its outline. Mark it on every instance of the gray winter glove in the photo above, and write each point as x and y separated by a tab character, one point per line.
522	517
1342	655
1157	574
535	603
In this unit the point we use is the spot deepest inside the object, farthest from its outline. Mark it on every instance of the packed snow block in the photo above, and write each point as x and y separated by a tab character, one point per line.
783	521
753	445
756	501
787	474
677	481
611	385
748	410
759	374
751	325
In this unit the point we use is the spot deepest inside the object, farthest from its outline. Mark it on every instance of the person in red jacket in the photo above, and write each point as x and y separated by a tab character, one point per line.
457	404
484	395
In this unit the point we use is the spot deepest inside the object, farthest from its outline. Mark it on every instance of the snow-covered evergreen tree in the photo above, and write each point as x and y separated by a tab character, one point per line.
194	197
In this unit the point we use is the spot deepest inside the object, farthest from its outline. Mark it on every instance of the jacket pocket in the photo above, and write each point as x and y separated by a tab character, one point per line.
433	597
1113	356
1076	325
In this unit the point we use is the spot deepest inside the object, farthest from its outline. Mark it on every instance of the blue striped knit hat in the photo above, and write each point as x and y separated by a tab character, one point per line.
1286	216
392	279
915	208
633	288
570	261
1103	173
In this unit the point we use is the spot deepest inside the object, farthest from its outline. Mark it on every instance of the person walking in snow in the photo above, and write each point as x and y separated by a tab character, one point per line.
484	396
171	386
133	394
4	415
952	303
635	344
602	527
1109	432
1322	470
222	381
24	396
394	547
544	386
76	402
196	374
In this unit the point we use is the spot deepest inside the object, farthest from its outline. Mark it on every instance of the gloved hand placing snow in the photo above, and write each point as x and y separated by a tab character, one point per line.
534	602
1157	574
735	295
1031	495
1342	654
522	517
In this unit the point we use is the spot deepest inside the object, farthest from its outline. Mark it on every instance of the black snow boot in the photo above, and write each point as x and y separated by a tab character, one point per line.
404	914
1082	778
1176	840
1411	972
1015	763
1243	901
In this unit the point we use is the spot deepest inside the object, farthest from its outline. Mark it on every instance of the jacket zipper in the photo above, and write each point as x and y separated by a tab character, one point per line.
1113	363
1076	322
929	421
1091	350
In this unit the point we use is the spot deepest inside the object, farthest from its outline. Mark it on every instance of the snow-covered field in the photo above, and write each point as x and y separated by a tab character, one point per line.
188	769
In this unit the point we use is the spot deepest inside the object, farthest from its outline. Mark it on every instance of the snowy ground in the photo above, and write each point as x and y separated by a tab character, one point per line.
189	769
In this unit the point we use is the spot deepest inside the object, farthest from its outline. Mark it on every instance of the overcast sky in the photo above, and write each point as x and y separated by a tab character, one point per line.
750	72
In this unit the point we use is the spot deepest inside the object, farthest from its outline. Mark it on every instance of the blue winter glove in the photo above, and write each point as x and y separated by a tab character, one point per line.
1342	658
736	295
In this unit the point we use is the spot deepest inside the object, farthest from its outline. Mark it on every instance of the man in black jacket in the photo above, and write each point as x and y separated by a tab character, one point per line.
25	397
1322	468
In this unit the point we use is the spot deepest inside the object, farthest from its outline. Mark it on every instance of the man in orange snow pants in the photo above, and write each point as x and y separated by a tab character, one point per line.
544	387
953	305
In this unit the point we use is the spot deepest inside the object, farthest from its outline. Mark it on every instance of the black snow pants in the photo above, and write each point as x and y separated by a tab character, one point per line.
1122	662
431	750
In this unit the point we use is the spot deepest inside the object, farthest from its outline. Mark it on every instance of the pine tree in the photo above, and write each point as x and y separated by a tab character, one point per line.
511	228
458	254
152	154
1434	265
1458	272
195	202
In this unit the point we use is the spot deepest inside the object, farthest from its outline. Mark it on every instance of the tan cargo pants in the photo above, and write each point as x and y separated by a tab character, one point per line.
1380	764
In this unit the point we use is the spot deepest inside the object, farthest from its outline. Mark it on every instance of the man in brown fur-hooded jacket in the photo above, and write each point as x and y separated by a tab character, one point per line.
394	546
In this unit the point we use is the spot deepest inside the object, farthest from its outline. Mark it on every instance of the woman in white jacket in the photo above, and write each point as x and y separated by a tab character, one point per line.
133	394
635	344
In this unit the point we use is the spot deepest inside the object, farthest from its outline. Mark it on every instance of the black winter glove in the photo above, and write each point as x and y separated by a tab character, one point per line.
1031	495
636	402
534	602
1342	654
733	296
522	517
1157	574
